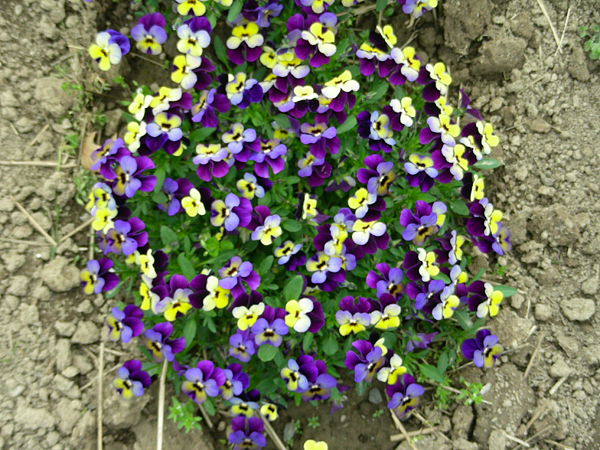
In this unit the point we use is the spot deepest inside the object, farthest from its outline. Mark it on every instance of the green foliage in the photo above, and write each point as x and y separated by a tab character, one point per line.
184	415
592	45
313	422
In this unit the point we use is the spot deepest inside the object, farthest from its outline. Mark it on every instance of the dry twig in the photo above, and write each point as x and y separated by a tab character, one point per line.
100	394
25	242
161	406
76	230
36	164
535	352
512	438
558	444
558	384
563	33
206	417
271	432
401	437
34	222
541	3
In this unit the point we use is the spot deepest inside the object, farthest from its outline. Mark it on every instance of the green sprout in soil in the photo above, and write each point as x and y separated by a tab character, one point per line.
592	45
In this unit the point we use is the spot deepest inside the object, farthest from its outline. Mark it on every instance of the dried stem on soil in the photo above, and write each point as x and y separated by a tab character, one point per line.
512	438
23	241
535	352
36	164
401	437
541	3
76	230
558	385
563	33
541	410
34	222
558	444
548	428
147	59
271	432
161	406
428	423
206	417
100	394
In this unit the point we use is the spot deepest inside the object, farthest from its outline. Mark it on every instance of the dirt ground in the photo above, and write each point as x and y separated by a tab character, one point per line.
544	104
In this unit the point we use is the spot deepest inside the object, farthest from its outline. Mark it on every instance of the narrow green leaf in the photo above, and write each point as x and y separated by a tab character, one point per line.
307	341
432	373
189	331
291	226
487	164
265	265
379	92
267	352
477	275
293	289
442	364
330	345
220	50
209	407
234	10
348	124
167	235
201	134
442	276
380	4
282	121
507	291
459	207
463	319
187	269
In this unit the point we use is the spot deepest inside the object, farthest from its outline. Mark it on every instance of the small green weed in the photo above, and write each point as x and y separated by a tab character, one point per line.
592	45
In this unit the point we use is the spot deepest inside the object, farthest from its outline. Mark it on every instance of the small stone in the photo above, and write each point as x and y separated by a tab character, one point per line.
543	312
82	364
42	293
24	125
85	307
521	173
63	353
16	391
69	412
539	125
578	309
54	100
7	98
70	372
559	369
86	333
497	440
33	418
19	286
52	438
67	387
517	300
289	431
590	286
568	344
375	396
47	28
59	275
65	329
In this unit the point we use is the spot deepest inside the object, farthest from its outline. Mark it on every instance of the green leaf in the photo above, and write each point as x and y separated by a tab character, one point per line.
459	207
220	50
477	275
442	276
293	289
265	265
291	180
282	121
234	10
187	269
463	319
487	164
209	407
361	388
291	226
380	4
348	124
167	235
507	291
159	197
267	352
160	175
442	364
341	48
432	373
201	134
189	331
307	341
330	345
379	92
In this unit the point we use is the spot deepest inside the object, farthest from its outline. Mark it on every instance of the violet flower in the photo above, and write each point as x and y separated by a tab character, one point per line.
317	170
241	345
160	346
202	381
420	171
420	341
149	33
289	255
129	179
378	177
132	380
240	90
232	213
376	128
318	41
420	225
236	271
484	350
319	138
108	155
211	161
272	9
194	36
404	395
164	132
240	141
245	43
172	206
368	361
370	235
425	295
247	435
390	281
125	324
98	277
235	381
270	155
270	327
208	103
353	317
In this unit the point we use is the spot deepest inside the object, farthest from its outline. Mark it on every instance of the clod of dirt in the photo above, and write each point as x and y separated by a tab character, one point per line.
500	55
578	309
578	65
86	333
464	22
59	275
54	100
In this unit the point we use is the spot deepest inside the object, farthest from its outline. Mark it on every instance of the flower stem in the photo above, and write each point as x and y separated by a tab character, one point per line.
161	406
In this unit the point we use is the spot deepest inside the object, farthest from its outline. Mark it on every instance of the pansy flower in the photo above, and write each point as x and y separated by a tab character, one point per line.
376	128
320	138
202	381
231	213
235	381
157	341
389	282
100	198
183	70
98	276
452	244
440	127
269	229
318	42
191	7
311	444
319	382
294	379
420	171
241	345
420	265
177	303
484	299
164	131
404	395
236	271
419	225
403	113
106	51
448	302
129	179
370	235
211	161
436	80
208	103
126	236
339	89
105	157
371	55
473	188
194	36
321	264
149	33
485	220
172	205
131	379
247	433
270	327
389	375
426	295
195	202
286	65
367	363
408	65
289	255
378	176
240	90
269	412
249	187
498	242
450	162
133	136
484	350
124	324
246	404
245	43
150	264
420	341
208	295
271	155
353	317
239	141
317	170
137	108
385	312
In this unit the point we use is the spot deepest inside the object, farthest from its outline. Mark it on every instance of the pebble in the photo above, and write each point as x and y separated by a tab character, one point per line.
578	309
85	307
375	396
517	300
559	369
86	333
66	386
590	286
521	173
65	329
543	312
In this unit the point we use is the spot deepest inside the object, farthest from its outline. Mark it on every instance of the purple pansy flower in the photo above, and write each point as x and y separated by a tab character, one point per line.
366	363
390	281
353	317
420	341
420	171
404	395
317	170
294	377
375	127
232	213
271	154
319	138
126	237
378	177
149	33
208	103
319	382
164	132
194	36
239	89
272	9
97	277
172	206
108	155
129	179
125	324
425	295
370	235
420	225
202	381
318	41
211	161
234	272
242	345
235	381
132	380
247	435
484	350
270	327
158	343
